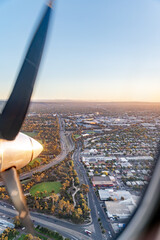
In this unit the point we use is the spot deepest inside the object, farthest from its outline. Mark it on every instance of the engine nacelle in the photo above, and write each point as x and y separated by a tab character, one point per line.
19	152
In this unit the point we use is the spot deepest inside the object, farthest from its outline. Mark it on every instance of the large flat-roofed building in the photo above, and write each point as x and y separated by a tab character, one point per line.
115	195
102	181
120	209
140	158
98	158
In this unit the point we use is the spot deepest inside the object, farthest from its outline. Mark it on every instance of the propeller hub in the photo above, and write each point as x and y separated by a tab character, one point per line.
18	152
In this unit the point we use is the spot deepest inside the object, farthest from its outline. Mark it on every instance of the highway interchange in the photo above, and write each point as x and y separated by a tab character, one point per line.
66	228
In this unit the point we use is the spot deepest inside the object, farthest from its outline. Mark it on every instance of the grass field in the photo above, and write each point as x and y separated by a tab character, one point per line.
39	160
31	134
89	132
46	186
77	136
22	237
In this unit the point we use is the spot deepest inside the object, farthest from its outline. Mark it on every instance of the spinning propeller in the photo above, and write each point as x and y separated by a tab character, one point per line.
17	149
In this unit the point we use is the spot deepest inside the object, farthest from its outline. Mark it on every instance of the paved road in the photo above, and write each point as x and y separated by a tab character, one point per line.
94	226
67	229
66	147
94	204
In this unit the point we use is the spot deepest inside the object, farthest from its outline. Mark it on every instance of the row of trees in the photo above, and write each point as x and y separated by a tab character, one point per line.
9	234
49	233
45	128
43	230
3	193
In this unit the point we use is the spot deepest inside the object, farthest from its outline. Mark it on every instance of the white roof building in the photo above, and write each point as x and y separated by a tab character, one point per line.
93	151
120	209
98	158
125	164
110	193
91	174
112	178
128	183
140	158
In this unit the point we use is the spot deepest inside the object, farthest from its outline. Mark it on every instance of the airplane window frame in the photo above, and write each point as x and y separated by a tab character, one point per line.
145	215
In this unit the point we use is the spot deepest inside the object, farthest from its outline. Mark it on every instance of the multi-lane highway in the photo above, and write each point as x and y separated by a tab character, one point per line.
67	229
66	147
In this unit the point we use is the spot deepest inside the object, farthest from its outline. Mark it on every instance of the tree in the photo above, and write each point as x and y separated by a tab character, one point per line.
30	237
45	205
85	188
79	211
61	204
54	197
69	208
53	209
17	222
76	181
37	204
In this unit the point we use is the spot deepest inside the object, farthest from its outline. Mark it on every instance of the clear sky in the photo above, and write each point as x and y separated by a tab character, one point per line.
105	50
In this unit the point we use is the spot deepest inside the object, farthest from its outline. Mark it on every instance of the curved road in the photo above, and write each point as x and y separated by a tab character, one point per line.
66	147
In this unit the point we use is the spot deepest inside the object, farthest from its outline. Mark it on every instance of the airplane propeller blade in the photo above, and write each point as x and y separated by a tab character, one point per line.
16	107
14	112
13	185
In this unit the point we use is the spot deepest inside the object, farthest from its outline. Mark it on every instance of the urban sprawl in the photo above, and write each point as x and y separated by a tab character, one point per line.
103	155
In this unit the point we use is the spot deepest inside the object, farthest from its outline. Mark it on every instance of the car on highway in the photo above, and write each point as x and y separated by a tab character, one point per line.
88	232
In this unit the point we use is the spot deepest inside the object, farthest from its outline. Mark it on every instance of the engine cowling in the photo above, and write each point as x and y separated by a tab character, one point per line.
19	152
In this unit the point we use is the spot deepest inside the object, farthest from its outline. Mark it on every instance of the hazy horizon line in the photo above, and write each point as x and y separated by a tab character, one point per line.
80	100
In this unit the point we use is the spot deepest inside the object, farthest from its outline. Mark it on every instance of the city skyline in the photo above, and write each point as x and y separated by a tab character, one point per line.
107	51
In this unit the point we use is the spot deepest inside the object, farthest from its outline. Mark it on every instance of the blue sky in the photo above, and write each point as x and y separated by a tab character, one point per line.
97	50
